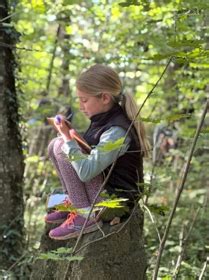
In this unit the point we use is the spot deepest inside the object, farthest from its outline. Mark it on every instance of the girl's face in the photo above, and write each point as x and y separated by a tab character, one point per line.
92	105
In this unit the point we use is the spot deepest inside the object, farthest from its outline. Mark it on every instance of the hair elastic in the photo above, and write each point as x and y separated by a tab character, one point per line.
120	97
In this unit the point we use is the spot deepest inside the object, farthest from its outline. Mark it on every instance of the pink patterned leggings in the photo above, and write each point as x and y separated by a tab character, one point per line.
80	194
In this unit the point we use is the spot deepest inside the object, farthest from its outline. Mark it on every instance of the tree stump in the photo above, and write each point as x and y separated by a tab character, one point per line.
116	252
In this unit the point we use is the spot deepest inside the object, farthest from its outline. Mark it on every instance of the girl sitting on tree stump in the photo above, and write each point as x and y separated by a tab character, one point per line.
111	112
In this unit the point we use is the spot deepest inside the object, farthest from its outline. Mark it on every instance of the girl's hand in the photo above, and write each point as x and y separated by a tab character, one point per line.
59	122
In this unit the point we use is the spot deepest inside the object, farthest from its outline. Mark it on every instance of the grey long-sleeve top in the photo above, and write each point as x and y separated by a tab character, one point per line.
89	166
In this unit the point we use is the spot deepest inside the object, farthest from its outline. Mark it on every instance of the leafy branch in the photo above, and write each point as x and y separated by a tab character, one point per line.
61	253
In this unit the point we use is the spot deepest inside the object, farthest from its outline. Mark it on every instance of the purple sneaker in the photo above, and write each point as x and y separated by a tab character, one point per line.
56	217
72	226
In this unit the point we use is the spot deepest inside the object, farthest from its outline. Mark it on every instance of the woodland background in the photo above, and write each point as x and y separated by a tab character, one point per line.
146	42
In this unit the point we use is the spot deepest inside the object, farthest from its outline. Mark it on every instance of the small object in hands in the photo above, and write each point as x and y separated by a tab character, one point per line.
57	119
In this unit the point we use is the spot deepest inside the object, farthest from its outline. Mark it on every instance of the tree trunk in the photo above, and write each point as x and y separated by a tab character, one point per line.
116	256
11	157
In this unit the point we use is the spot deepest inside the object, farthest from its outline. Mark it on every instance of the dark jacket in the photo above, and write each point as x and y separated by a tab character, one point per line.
128	171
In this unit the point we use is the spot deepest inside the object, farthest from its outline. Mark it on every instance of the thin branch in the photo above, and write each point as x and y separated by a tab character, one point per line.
183	244
151	183
17	261
9	16
153	221
181	253
203	269
53	58
21	48
155	85
179	191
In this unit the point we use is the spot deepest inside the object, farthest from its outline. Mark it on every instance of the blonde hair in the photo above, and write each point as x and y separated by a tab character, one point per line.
103	79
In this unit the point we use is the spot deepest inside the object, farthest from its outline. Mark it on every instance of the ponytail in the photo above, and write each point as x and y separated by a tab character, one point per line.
130	107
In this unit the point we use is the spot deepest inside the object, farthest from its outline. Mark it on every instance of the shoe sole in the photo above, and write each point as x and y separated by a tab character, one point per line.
89	229
55	221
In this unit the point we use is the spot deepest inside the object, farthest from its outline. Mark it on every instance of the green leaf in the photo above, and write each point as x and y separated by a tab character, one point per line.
74	258
166	277
63	250
177	117
49	256
169	118
63	207
61	253
110	146
163	56
33	159
113	203
71	2
38	5
151	120
77	157
185	43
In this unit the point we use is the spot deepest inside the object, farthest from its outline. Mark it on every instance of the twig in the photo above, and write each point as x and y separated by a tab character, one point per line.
21	48
179	191
151	183
52	59
181	253
9	16
203	269
153	221
17	261
183	243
